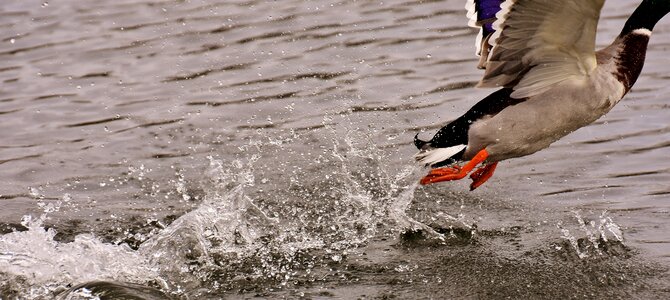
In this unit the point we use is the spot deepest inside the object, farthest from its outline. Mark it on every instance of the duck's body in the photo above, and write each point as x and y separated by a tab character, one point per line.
553	83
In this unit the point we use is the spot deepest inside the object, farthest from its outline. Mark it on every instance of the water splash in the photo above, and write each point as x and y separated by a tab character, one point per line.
593	235
34	256
238	233
226	224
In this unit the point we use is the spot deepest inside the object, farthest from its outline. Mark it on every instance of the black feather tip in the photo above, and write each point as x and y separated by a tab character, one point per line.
419	143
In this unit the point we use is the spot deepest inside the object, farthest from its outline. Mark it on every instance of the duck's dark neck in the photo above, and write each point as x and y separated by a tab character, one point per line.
634	39
630	57
646	16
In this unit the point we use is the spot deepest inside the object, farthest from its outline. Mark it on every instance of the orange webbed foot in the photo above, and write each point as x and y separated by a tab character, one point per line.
433	178
440	174
454	173
481	175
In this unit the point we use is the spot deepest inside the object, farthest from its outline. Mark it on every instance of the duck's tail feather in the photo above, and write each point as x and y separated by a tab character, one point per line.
430	156
419	143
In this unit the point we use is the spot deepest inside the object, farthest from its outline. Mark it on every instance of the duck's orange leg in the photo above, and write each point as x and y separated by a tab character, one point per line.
448	174
481	175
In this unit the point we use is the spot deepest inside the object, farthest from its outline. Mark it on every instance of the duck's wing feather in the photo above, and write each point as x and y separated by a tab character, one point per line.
482	14
540	43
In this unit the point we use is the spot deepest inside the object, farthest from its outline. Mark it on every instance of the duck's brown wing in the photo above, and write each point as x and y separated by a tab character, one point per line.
540	43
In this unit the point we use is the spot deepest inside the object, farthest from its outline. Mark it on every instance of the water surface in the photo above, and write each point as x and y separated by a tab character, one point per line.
262	149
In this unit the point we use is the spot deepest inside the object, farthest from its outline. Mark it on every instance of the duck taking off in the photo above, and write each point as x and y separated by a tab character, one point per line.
541	53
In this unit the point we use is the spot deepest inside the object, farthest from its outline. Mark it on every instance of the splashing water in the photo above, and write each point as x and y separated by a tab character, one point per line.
226	223
235	234
35	257
596	233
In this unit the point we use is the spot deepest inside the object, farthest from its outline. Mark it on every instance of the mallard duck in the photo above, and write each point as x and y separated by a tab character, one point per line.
541	54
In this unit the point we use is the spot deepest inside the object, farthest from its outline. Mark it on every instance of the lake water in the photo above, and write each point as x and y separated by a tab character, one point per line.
262	149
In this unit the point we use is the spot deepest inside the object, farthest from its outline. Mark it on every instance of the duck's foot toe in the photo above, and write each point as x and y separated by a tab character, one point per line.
428	179
444	174
481	175
445	171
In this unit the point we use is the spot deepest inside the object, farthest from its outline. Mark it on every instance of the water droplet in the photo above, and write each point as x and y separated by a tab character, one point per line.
34	192
45	4
12	41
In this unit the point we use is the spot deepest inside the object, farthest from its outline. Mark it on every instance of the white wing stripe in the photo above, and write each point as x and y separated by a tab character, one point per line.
471	7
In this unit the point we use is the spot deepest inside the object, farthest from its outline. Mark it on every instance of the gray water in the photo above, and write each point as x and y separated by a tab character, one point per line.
262	149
